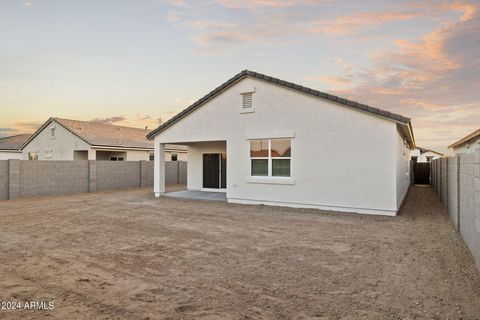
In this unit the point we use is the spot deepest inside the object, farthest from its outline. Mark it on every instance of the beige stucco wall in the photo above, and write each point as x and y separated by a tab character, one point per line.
422	157
62	145
6	155
342	159
470	147
402	168
181	156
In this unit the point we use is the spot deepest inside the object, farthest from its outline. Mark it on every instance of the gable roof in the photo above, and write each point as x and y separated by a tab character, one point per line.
247	73
423	150
101	135
13	143
465	139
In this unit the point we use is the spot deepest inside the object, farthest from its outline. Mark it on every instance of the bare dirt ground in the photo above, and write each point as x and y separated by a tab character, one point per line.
126	255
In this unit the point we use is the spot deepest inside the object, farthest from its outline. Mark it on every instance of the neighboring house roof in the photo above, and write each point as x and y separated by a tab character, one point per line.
423	150
103	135
247	73
464	140
13	143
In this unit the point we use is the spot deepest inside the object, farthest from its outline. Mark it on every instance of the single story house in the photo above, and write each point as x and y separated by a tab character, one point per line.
262	140
64	139
420	154
10	146
468	144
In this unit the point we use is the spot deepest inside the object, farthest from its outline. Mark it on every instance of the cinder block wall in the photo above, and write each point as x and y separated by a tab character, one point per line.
114	175
445	180
171	172
452	200
458	187
182	172
20	178
147	173
3	179
42	178
175	172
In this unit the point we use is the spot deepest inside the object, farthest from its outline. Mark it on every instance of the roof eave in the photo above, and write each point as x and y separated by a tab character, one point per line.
465	139
99	146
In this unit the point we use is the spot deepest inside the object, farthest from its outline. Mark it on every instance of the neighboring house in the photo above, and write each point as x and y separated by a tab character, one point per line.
267	141
63	139
424	155
10	146
468	144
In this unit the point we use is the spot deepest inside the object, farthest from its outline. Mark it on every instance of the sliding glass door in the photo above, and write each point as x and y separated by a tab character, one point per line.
215	170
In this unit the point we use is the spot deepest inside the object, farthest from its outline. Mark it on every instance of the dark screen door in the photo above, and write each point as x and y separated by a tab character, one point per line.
211	170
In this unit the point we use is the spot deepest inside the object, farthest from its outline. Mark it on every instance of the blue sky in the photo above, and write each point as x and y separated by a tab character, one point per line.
130	62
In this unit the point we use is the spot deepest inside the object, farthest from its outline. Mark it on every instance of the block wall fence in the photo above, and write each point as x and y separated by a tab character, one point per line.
23	178
456	180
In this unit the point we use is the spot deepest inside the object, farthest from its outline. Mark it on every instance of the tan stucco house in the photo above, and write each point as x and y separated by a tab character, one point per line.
65	139
263	140
10	146
421	155
468	144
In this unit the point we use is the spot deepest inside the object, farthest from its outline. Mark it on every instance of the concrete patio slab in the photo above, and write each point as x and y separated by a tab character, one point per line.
197	195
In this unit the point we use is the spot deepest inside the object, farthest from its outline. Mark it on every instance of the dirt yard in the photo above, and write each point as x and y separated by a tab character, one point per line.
126	255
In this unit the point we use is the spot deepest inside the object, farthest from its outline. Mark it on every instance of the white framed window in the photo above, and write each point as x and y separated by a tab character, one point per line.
115	158
33	156
52	132
174	157
270	157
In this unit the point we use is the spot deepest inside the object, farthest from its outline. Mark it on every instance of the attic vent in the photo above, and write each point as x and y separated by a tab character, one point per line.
247	100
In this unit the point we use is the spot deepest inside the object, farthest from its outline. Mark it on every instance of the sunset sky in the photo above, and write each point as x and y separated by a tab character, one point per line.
130	62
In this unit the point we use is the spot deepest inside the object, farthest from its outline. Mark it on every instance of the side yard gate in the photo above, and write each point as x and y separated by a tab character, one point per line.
421	172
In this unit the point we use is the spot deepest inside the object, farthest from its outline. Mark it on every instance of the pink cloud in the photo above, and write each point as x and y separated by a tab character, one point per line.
348	24
433	80
333	82
469	10
252	4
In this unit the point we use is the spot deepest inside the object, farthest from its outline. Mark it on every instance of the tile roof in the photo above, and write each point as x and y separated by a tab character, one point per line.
106	135
247	73
465	139
99	134
13	142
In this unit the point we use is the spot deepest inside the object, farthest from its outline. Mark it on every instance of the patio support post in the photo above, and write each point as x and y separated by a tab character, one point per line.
159	170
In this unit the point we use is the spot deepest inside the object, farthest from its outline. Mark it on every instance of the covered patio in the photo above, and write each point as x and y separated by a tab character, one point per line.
206	171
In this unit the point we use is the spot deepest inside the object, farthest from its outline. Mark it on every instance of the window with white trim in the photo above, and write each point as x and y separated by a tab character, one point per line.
270	158
52	132
33	156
